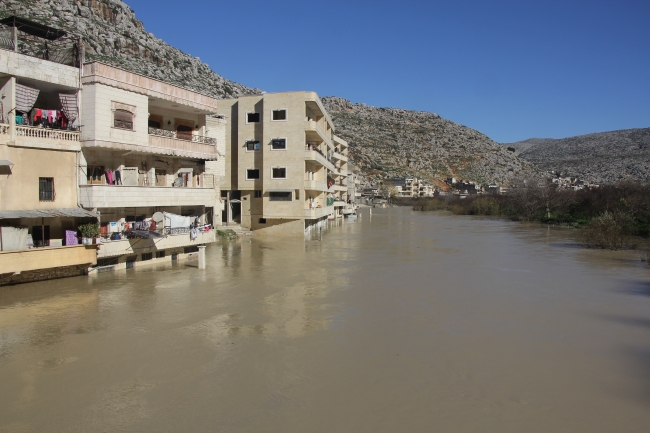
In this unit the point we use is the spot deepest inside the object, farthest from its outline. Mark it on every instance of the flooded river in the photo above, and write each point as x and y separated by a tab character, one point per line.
395	322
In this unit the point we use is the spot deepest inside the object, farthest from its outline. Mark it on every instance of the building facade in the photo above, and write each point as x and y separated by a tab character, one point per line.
39	151
149	149
286	171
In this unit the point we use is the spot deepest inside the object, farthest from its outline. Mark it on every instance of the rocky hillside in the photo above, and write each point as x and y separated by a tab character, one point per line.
522	146
390	142
112	34
606	157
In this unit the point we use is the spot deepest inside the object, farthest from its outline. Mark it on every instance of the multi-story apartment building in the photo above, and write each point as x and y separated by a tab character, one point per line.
152	159
90	143
39	151
286	171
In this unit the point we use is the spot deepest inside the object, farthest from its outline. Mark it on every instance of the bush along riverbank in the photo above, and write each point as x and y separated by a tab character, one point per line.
612	217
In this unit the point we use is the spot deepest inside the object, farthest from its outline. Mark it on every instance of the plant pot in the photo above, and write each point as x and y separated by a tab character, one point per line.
86	241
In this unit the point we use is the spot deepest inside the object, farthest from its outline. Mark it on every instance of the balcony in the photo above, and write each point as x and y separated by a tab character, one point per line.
111	196
313	127
313	155
138	246
319	212
339	156
340	203
313	185
188	144
49	257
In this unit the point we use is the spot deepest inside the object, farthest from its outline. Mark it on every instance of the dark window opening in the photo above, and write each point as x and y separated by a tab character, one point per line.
123	120
188	250
46	189
279	173
147	256
154	124
262	220
252	117
279	115
258	193
160	254
279	144
184	132
252	173
280	196
41	238
110	261
252	145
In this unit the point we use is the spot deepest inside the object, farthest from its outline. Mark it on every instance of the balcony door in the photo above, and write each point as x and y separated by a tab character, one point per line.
184	129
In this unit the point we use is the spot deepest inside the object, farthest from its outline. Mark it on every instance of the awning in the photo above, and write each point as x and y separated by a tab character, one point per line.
25	97
4	162
69	106
75	212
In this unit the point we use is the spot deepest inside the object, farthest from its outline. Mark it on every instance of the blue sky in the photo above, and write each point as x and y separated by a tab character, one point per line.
511	69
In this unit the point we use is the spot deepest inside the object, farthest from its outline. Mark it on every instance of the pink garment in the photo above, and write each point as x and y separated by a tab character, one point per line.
109	176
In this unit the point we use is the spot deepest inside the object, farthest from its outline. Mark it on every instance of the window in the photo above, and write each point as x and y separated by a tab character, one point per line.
160	254
252	145
279	144
252	117
252	173
262	220
279	114
280	196
46	189
258	193
123	119
279	173
147	256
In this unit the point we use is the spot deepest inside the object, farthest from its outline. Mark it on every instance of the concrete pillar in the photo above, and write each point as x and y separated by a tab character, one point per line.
201	256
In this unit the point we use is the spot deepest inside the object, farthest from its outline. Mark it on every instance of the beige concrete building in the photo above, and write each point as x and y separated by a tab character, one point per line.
95	143
38	158
286	171
149	149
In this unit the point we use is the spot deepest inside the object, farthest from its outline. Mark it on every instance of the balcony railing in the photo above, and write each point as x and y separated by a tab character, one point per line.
5	129
186	136
53	134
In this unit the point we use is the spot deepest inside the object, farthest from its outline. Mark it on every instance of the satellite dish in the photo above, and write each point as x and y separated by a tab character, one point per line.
158	217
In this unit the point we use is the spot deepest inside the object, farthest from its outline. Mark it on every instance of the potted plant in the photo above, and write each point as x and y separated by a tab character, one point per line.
89	232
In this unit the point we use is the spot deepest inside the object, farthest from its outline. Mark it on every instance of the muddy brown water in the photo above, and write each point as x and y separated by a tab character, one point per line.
395	322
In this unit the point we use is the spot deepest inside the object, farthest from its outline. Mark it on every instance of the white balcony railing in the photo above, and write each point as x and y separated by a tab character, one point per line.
52	134
5	129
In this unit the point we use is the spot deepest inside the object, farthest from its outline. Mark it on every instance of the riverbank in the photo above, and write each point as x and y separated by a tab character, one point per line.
611	217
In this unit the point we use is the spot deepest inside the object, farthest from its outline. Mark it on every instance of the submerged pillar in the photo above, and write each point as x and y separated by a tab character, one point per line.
201	256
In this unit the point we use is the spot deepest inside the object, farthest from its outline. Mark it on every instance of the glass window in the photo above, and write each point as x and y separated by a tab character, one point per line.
123	119
46	188
252	173
279	144
280	196
252	117
258	193
279	173
252	145
279	115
